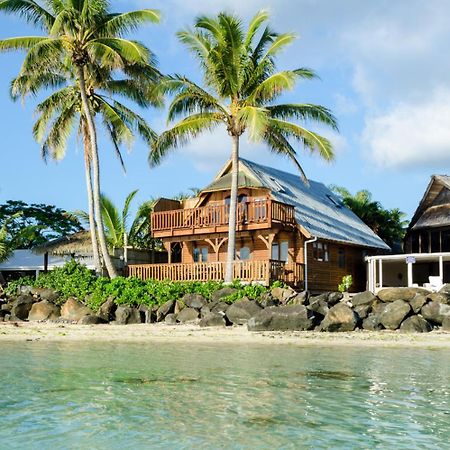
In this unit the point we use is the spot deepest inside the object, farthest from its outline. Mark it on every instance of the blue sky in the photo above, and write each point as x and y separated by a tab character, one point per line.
384	72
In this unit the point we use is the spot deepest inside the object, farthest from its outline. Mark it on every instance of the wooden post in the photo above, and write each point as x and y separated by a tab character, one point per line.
168	247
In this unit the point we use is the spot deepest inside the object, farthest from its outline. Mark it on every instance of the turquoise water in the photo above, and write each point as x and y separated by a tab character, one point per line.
111	396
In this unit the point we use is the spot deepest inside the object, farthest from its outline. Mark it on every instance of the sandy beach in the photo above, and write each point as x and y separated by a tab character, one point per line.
49	332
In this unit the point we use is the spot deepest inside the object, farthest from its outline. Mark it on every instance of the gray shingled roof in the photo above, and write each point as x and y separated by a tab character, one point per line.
317	209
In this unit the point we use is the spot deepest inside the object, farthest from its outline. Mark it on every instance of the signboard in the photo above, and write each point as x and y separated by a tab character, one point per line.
410	260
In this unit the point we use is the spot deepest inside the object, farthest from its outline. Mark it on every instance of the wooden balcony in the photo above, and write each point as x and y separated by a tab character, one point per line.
248	271
252	215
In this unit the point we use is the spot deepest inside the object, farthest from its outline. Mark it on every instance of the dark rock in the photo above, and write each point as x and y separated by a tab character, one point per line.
179	305
239	313
445	289
446	323
439	297
74	311
212	320
266	300
334	298
283	295
222	293
372	323
363	310
107	310
400	293
219	307
44	310
163	310
300	299
289	317
147	314
205	311
322	297
435	312
318	305
340	318
194	301
127	316
394	313
45	294
415	324
171	319
21	307
187	315
92	320
378	306
363	298
417	302
6	307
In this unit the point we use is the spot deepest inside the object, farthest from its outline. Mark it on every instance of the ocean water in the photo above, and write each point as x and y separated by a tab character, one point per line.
140	396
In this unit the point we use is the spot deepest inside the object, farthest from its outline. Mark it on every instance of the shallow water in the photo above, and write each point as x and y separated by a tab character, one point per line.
132	396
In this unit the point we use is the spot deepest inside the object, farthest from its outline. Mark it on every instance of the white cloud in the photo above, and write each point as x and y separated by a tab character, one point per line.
411	134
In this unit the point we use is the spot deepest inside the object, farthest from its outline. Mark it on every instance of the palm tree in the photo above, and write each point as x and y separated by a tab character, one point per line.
5	249
86	35
241	85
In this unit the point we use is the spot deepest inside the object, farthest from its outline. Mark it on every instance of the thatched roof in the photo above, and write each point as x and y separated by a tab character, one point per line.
74	244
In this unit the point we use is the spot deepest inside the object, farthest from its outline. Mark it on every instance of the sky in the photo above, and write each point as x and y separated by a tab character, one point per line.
384	72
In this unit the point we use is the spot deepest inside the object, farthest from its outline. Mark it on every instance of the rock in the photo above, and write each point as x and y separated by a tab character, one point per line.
439	297
45	294
415	324
194	301
74	311
44	310
394	313
300	299
24	290
171	319
446	323
165	309
267	300
6	307
187	315
212	320
222	293
205	311
127	316
435	312
107	310
179	305
334	298
363	298
400	293
219	308
319	305
21	307
417	302
445	289
340	318
372	323
283	295
92	320
289	317
363	310
147	314
239	313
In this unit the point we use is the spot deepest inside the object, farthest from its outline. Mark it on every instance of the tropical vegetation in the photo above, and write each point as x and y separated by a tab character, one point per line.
240	87
84	51
5	247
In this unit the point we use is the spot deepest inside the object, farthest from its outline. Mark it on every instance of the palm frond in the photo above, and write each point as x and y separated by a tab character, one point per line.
120	23
30	10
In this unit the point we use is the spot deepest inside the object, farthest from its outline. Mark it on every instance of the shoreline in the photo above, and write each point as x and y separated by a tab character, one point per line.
163	333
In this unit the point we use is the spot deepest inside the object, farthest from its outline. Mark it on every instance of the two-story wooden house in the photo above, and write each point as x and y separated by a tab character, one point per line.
285	229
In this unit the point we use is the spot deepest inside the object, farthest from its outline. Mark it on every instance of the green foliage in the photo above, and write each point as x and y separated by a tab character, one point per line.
251	291
13	286
347	281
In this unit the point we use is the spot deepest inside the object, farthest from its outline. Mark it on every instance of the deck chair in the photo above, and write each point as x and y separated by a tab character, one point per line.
435	284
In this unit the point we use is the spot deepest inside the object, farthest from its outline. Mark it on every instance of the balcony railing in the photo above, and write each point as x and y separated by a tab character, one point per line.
212	218
257	271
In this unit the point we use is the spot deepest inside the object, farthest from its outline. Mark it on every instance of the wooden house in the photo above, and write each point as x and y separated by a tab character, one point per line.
286	230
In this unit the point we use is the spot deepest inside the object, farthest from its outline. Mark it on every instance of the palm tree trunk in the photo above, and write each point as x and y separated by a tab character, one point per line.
231	252
92	225
96	175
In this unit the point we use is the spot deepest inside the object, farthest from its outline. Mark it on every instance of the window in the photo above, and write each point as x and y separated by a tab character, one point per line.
320	252
341	258
435	241
275	251
244	253
424	241
414	243
260	209
280	251
200	254
445	241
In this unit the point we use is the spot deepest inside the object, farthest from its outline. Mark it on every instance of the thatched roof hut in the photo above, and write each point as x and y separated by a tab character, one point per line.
74	244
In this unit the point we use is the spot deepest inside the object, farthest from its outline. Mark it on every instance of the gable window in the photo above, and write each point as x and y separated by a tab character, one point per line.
341	258
320	252
200	254
244	253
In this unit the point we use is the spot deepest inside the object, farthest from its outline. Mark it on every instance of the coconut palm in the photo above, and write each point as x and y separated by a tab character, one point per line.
86	35
241	85
5	249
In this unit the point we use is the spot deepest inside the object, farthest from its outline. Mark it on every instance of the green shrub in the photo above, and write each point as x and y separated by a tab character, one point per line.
346	284
13	286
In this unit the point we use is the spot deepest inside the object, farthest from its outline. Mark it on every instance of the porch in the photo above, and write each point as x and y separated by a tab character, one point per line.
263	272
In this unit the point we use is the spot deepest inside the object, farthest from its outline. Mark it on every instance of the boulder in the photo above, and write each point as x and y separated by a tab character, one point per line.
340	318
171	319
45	294
92	320
334	298
417	302
196	301
219	307
6	307
24	290
44	310
319	305
127	316
445	289
212	320
372	323
435	312
107	310
179	305
394	313
205	311
439	297
266	300
415	324
363	310
222	293
164	309
74	311
400	293
300	299
283	295
289	317
239	313
363	298
187	315
446	323
21	307
147	314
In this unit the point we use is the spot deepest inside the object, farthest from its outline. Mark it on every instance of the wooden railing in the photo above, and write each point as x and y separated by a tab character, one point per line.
254	212
248	271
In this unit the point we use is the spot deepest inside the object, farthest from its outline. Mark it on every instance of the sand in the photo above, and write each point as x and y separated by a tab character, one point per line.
52	332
